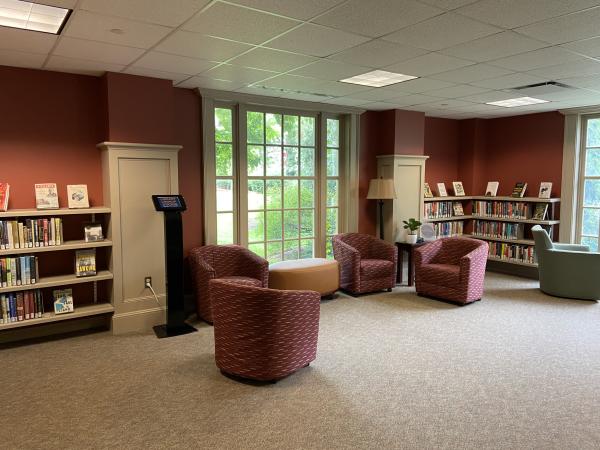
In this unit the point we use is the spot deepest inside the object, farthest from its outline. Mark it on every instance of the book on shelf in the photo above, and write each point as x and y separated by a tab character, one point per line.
63	301
498	230
18	271
4	194
427	191
502	209
442	190
93	232
545	189
18	306
541	211
447	229
492	189
519	190
77	195
458	209
30	233
438	210
85	262
459	190
512	252
46	196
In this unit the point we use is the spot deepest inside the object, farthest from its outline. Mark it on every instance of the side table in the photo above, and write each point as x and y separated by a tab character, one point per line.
410	250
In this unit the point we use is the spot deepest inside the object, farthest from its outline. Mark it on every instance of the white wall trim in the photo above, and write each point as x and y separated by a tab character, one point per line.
138	146
570	178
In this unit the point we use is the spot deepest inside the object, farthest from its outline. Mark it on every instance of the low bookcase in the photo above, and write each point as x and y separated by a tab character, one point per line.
56	270
504	222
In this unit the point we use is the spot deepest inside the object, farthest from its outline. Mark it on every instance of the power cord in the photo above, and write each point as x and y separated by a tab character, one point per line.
149	286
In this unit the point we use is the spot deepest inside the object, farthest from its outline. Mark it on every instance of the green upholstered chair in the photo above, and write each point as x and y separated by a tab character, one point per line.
566	270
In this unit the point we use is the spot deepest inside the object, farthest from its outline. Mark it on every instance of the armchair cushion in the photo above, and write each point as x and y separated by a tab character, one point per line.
375	268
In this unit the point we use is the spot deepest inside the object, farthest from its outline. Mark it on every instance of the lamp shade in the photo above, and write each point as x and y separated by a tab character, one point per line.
381	189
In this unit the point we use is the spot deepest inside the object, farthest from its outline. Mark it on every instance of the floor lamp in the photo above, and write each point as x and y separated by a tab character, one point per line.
381	189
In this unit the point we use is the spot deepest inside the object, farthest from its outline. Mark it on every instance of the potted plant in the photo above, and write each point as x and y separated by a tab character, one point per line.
412	225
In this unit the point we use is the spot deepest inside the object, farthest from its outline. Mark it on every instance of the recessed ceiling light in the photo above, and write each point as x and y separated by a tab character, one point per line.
521	101
117	31
32	16
378	78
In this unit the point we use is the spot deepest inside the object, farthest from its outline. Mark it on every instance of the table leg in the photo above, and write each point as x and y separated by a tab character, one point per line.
411	266
400	264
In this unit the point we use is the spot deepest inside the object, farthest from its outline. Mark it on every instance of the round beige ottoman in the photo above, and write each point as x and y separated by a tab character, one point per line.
314	274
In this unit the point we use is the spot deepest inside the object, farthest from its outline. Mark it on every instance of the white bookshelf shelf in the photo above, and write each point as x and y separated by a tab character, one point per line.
68	245
454	198
510	261
60	280
514	220
53	212
509	241
516	199
79	312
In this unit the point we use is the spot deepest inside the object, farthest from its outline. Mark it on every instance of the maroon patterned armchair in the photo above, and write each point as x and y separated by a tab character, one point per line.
451	269
263	334
367	264
229	262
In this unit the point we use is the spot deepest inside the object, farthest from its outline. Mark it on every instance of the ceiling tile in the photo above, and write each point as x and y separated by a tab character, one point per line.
330	70
472	73
26	41
96	27
419	85
21	59
428	64
239	23
572	27
97	51
442	31
378	94
460	90
210	83
447	103
378	53
153	73
538	58
588	47
306	97
186	43
570	69
304	10
335	89
494	47
259	90
492	96
570	94
239	74
268	59
510	81
515	13
69	4
80	66
591	82
414	99
478	107
172	13
448	4
345	101
293	83
180	64
315	40
378	106
377	17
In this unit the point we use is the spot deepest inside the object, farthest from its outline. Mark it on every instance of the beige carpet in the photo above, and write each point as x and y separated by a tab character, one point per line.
518	370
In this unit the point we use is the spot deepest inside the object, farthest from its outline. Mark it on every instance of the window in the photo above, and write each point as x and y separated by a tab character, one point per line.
589	199
275	179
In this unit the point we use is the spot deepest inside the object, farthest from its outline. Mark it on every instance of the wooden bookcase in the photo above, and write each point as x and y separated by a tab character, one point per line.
471	218
447	220
91	305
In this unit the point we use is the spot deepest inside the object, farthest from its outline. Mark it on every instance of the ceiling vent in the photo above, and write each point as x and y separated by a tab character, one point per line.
533	90
287	91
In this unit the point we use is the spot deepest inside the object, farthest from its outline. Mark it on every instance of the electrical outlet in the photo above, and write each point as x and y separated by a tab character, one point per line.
147	282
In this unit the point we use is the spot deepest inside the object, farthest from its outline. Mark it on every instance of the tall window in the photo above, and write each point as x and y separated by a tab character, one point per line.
589	202
278	177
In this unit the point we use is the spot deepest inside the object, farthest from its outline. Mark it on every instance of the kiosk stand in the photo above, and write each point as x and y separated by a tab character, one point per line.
172	206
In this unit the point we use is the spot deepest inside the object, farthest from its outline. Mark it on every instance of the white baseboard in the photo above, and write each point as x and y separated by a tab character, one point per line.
138	321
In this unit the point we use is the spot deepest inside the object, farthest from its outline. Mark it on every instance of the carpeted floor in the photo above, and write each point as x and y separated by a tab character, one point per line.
518	370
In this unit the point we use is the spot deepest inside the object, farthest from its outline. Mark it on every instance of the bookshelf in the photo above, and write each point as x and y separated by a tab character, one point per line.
519	243
56	270
440	212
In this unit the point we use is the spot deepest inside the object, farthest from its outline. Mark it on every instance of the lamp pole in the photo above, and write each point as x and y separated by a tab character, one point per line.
381	219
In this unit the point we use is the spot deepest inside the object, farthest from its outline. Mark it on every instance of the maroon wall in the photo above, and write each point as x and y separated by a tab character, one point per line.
442	145
50	124
409	132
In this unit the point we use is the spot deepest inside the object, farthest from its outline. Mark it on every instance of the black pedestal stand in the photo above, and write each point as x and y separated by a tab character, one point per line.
380	219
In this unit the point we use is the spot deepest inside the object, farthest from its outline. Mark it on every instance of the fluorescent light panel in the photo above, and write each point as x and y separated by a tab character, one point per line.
378	78
521	101
32	16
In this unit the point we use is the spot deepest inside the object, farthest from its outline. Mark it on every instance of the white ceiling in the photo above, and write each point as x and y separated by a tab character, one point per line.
466	52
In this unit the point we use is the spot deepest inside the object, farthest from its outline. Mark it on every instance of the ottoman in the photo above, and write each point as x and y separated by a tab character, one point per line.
313	274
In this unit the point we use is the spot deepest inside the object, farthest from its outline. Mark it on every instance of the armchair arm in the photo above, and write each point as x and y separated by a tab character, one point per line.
379	249
252	265
425	253
201	272
349	260
571	247
473	262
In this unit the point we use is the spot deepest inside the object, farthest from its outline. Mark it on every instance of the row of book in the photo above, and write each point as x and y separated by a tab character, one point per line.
440	210
30	233
512	252
20	306
447	229
18	271
502	230
514	210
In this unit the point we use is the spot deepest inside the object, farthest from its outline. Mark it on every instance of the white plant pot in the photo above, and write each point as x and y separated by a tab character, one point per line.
411	238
